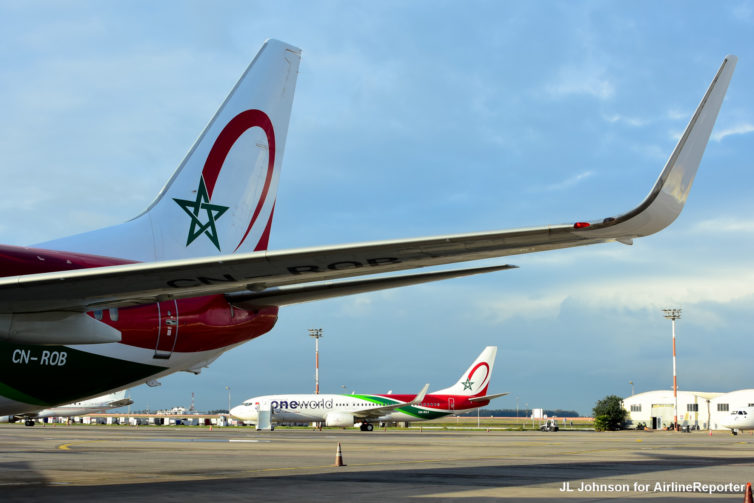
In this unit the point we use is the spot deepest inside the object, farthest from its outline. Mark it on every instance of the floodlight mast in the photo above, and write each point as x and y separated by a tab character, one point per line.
674	314
316	333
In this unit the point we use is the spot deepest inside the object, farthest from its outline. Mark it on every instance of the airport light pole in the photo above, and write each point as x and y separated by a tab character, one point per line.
227	388
317	334
673	315
632	387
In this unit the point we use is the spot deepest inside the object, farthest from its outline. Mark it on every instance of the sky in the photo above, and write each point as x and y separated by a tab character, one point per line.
416	119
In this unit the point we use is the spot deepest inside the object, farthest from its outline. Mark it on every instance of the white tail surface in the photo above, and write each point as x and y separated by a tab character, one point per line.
475	380
221	199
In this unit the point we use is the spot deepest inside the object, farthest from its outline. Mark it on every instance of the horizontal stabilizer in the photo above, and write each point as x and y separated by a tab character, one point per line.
420	396
120	403
486	398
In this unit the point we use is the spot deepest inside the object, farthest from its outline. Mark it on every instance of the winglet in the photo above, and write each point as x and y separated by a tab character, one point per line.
420	396
666	199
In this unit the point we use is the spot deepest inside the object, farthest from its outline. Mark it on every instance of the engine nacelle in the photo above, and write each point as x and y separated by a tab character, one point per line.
342	419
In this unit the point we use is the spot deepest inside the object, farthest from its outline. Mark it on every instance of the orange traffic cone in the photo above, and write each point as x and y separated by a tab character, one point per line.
339	457
210	427
747	493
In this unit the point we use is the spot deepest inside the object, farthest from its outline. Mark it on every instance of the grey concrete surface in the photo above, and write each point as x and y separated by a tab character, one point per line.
121	463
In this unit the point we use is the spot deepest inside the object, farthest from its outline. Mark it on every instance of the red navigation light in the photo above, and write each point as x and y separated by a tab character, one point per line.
581	225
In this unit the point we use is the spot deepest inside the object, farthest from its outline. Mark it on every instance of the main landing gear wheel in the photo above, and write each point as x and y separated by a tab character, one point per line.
366	427
29	422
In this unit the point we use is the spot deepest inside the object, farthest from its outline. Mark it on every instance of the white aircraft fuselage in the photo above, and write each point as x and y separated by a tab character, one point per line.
740	420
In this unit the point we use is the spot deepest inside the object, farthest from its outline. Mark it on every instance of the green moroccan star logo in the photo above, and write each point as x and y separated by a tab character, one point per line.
194	209
467	384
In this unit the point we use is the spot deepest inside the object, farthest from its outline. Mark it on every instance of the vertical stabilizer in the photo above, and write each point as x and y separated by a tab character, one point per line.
221	199
475	380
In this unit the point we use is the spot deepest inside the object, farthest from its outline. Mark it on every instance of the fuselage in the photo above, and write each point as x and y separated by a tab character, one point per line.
310	407
157	339
742	419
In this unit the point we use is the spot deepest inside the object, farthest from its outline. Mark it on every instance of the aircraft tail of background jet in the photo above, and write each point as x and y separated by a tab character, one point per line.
475	380
221	199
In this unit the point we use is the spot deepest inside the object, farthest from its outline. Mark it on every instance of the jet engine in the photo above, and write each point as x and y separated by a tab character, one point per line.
342	419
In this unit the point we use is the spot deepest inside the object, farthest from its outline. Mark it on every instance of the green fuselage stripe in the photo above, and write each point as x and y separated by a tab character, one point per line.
411	410
54	375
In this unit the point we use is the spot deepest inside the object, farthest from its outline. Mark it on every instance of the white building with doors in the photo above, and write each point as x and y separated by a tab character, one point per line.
696	409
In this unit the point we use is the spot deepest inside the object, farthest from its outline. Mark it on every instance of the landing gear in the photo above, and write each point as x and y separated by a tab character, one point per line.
734	432
29	422
367	427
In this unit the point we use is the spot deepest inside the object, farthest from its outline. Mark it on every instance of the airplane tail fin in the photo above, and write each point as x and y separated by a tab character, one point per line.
221	199
475	380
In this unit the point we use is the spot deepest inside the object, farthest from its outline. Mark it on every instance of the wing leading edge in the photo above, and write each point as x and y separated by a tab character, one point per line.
261	274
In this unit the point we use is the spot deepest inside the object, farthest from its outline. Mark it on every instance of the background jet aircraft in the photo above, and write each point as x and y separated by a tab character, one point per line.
191	276
740	420
91	406
468	393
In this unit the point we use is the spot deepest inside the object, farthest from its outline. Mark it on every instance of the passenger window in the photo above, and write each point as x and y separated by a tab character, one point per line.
113	311
98	315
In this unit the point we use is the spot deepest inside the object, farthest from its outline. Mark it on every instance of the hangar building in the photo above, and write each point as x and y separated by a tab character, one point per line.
696	409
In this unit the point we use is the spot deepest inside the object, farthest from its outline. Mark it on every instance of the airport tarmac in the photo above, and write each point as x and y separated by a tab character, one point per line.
123	463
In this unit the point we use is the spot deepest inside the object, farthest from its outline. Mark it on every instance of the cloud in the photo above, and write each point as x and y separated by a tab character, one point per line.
725	225
675	114
635	293
630	121
744	11
568	182
586	80
742	128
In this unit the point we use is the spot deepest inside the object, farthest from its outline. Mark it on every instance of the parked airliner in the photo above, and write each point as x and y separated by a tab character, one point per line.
739	420
468	393
92	406
191	276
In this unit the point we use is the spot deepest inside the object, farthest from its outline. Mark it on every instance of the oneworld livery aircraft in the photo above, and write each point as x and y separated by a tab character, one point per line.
191	276
468	393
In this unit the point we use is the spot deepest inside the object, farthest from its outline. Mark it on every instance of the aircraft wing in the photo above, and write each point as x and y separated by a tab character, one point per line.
378	412
294	294
261	273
